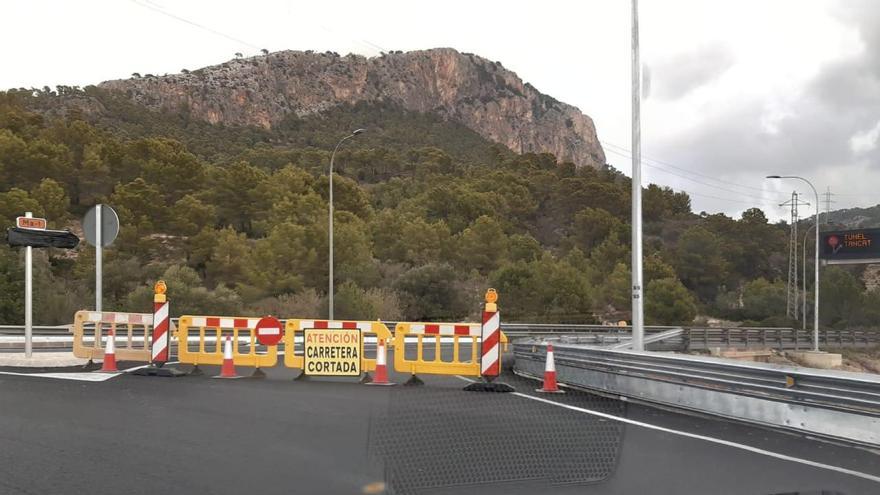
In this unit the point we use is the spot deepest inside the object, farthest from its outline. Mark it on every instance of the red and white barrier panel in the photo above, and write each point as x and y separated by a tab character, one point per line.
490	356
449	330
364	326
159	343
118	318
214	322
490	349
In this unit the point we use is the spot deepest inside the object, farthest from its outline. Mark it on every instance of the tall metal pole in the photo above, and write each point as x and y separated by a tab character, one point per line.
804	277
99	258
637	285
816	275
816	281
28	297
330	287
330	282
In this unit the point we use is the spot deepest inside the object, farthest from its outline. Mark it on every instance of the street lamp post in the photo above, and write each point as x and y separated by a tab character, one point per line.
638	292
332	157
816	281
804	277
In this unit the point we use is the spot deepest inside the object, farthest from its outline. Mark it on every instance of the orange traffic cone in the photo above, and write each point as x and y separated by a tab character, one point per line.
228	369
381	377
550	385
109	365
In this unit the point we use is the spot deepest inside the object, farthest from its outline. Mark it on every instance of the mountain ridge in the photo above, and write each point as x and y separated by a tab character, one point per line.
482	95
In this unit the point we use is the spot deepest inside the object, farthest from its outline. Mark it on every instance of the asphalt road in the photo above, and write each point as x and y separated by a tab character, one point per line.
194	434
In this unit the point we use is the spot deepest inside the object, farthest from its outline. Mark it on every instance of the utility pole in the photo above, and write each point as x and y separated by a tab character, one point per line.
638	300
792	289
828	202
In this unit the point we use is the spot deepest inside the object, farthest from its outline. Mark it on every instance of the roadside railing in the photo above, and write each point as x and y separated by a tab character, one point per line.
689	339
834	404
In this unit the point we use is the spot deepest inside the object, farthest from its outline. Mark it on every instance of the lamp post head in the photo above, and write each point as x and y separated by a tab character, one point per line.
358	131
774	177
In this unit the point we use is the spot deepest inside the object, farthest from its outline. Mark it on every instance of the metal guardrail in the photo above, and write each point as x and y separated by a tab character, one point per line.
691	338
833	404
704	338
38	329
779	338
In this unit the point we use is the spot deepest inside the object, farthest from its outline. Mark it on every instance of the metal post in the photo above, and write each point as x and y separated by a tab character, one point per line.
816	287
330	288
330	222
99	261
804	277
28	297
637	289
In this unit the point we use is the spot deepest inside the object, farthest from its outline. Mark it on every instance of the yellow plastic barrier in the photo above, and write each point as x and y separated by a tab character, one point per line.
90	328
294	359
213	330
457	334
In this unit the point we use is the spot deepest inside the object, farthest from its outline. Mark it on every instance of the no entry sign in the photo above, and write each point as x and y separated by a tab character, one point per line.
268	330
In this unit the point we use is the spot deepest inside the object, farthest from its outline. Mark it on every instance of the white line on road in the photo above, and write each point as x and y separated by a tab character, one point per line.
719	441
89	376
84	376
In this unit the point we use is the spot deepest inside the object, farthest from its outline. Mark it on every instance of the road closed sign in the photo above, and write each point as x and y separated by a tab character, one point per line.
332	352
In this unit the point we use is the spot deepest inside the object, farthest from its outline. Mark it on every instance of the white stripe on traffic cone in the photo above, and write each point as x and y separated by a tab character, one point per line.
381	366
228	368
550	385
109	365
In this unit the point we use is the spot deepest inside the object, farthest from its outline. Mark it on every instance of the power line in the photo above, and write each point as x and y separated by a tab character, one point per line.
752	203
661	162
147	4
164	12
738	193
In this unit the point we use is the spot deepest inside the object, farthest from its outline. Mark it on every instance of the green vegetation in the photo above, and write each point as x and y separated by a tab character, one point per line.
428	214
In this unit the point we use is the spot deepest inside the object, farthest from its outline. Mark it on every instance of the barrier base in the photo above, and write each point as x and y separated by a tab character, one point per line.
495	387
153	370
91	366
382	384
413	381
196	371
258	373
366	379
301	377
542	391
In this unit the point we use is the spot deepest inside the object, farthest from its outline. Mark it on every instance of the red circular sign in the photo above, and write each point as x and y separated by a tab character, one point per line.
269	330
833	241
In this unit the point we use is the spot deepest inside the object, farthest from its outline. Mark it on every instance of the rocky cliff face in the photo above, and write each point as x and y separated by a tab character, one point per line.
489	99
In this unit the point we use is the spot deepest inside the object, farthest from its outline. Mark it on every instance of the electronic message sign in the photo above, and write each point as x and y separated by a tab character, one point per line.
850	246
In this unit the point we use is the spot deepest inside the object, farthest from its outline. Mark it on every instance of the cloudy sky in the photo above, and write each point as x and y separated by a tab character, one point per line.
738	89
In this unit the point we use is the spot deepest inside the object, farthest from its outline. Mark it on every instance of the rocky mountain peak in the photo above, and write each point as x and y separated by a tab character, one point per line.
478	93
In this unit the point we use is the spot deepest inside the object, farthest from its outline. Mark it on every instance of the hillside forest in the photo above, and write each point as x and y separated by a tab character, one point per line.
428	215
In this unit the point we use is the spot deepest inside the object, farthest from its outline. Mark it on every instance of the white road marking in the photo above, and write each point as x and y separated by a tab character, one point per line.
719	441
82	376
88	376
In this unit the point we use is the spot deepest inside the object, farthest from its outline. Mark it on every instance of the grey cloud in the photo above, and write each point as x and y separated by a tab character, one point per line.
675	77
842	100
863	15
